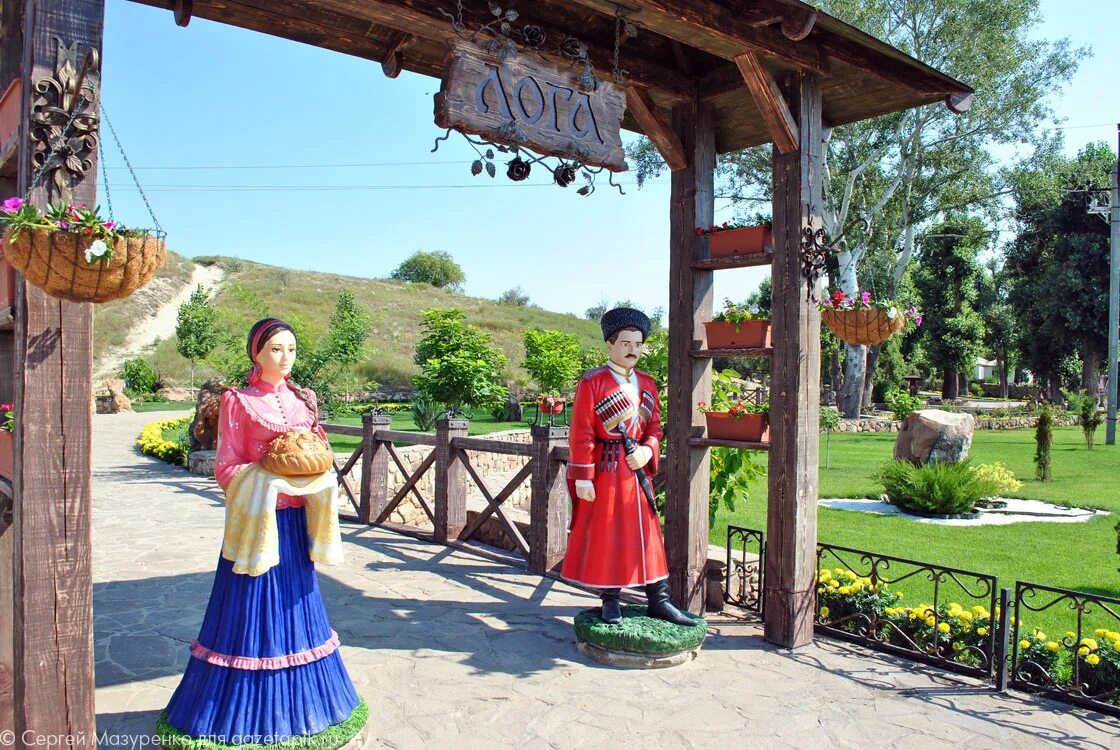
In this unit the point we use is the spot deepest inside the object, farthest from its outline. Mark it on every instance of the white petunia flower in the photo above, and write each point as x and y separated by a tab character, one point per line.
892	313
96	251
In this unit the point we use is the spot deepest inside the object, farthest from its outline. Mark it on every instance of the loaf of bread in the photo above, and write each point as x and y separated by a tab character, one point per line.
297	454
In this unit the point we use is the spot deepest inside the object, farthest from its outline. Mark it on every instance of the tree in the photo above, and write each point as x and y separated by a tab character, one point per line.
319	366
901	171
459	366
197	330
553	359
436	268
515	296
947	277
1001	329
596	311
1057	265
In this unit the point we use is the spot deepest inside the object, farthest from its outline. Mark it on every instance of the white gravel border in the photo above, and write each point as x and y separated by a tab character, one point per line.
1017	511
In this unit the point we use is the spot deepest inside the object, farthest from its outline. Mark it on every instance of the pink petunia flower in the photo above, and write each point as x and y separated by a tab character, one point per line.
13	204
865	297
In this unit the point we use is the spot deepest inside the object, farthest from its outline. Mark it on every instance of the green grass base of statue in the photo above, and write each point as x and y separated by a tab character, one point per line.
638	634
331	738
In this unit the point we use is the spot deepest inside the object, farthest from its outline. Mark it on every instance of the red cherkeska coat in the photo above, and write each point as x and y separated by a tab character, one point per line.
615	540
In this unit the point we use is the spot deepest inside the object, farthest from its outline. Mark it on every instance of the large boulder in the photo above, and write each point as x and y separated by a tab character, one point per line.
204	428
177	394
116	401
934	435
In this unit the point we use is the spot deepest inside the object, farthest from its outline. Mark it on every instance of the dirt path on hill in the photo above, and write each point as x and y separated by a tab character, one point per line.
160	325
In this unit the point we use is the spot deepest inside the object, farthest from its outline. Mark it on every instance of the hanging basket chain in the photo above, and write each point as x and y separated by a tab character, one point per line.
105	175
113	131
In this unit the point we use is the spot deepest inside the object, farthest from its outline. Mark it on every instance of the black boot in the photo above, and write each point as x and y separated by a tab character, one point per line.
662	608
612	606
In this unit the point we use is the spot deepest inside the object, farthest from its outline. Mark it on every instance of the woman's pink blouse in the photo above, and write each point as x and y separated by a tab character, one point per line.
248	421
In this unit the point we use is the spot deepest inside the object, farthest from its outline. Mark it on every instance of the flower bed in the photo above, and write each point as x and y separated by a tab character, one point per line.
153	443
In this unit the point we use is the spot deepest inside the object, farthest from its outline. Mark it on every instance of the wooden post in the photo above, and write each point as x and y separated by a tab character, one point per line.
49	570
548	506
690	379
375	468
451	480
791	535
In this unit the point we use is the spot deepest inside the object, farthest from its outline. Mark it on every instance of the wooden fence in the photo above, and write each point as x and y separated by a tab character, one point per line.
543	547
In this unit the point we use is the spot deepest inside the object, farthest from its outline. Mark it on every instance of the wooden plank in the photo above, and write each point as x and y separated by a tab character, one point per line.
548	506
450	480
347	467
760	351
690	304
717	29
717	443
561	453
656	127
409	438
409	485
795	381
482	93
492	445
737	261
771	104
342	429
494	504
52	572
347	485
393	62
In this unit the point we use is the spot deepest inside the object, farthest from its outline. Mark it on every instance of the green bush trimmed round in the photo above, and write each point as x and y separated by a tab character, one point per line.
639	634
331	738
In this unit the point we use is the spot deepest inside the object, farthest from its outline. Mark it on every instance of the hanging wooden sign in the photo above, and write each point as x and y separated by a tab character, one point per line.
520	101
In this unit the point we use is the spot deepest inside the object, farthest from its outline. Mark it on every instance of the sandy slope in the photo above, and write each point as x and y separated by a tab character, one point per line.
161	325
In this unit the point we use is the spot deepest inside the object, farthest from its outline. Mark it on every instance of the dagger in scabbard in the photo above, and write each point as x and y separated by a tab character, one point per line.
631	446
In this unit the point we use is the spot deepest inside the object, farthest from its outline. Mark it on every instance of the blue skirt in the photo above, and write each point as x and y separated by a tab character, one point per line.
265	667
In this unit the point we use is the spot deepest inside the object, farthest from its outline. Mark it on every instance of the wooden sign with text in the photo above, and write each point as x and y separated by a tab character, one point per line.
525	102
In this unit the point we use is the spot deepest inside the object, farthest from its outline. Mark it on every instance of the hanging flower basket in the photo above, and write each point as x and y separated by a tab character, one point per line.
729	242
60	263
862	321
751	428
550	404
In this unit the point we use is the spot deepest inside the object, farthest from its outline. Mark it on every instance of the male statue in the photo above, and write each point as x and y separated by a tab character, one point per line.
614	441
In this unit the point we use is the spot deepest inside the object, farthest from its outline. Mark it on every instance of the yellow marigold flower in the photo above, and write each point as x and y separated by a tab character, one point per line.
943	627
978	610
1070	634
834	584
981	632
930	621
845	590
900	594
967	616
1090	643
824	611
1093	659
1024	644
954	605
1040	636
850	575
1100	633
1082	650
821	590
1052	646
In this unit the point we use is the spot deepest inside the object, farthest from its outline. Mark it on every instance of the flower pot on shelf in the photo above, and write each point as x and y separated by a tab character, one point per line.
550	404
750	334
730	243
7	455
750	428
55	261
863	326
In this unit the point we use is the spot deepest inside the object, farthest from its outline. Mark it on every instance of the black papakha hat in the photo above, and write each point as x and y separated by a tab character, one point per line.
624	317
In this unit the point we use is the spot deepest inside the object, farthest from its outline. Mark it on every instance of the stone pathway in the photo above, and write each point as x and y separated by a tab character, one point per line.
452	650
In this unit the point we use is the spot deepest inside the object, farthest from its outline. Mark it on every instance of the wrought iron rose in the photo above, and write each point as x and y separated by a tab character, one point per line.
573	49
564	175
518	170
533	36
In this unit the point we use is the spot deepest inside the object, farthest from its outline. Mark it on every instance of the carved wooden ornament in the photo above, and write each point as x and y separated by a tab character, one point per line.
520	101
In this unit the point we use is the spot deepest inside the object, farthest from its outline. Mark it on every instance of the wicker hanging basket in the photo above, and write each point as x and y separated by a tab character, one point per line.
55	261
866	326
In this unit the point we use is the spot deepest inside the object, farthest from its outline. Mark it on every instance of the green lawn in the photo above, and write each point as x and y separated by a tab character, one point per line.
162	406
1079	556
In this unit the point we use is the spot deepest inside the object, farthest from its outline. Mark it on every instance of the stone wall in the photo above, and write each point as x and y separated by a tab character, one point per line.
879	424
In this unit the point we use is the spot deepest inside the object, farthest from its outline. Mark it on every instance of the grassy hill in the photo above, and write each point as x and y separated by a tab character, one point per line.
253	290
112	320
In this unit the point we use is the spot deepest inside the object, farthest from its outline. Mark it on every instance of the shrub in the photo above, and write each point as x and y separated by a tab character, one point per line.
1000	476
902	403
1084	406
139	376
424	412
975	389
435	268
460	366
1043	439
934	488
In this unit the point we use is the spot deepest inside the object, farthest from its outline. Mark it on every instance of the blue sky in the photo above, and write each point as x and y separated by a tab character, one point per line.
280	152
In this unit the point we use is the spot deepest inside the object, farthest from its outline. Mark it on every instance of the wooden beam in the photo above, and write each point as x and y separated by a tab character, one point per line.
791	536
656	127
717	29
690	379
182	11
50	568
797	23
393	62
770	102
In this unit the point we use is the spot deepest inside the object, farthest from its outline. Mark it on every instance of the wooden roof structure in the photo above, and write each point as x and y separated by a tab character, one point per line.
682	47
